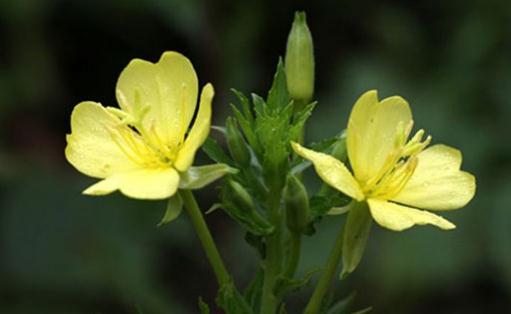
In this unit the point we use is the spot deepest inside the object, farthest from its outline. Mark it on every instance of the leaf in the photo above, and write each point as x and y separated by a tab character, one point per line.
203	307
198	177
254	290
216	152
285	285
342	305
245	105
247	127
299	121
174	208
366	310
278	96
251	220
356	232
259	105
231	300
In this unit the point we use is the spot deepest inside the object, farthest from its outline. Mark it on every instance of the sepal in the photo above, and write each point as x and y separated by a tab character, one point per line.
198	177
356	232
174	208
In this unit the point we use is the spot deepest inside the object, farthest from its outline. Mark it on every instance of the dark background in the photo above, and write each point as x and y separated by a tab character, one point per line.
61	252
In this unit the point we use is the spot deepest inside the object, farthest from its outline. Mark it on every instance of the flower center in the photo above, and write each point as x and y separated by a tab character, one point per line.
140	144
399	165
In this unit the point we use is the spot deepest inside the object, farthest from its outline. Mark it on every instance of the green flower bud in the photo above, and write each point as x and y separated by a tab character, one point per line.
299	62
241	208
240	197
236	144
296	202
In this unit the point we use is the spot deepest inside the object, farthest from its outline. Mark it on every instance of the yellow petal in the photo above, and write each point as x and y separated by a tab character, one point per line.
372	129
140	184
90	147
398	217
167	88
438	183
199	131
332	171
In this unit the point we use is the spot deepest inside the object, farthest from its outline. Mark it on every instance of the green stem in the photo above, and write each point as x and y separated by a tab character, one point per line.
273	260
294	255
325	280
205	237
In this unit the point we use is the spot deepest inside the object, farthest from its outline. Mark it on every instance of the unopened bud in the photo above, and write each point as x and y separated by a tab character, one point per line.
240	197
236	144
299	62
296	202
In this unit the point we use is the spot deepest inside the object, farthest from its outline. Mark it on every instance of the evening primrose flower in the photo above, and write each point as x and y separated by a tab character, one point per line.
395	175
144	148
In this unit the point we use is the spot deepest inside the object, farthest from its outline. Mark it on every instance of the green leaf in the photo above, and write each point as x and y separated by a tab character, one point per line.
254	290
299	121
247	128
245	105
203	307
342	305
198	177
259	105
278	95
366	310
231	300
284	285
174	208
216	152
356	232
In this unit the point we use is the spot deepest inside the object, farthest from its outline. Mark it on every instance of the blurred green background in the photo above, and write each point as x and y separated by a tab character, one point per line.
61	252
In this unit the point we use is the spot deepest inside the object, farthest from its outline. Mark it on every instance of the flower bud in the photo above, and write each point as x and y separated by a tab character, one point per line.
240	197
299	61
241	208
236	144
296	202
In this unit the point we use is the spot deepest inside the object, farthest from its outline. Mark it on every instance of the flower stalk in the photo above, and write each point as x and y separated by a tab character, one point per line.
202	230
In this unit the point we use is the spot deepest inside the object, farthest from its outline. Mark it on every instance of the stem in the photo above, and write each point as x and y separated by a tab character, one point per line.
222	276
294	256
325	280
273	261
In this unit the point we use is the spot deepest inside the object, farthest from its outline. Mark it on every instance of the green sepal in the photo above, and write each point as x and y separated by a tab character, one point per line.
203	307
231	300
356	232
174	208
199	177
321	204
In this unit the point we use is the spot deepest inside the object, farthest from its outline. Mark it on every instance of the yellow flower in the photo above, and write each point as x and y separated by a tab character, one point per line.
143	149
393	174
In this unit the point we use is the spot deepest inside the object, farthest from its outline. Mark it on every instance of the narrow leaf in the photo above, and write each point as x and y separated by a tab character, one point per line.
216	152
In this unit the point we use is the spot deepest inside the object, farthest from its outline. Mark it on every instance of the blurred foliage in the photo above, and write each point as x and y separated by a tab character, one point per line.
62	252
